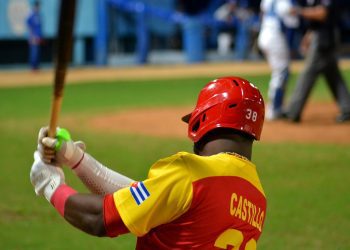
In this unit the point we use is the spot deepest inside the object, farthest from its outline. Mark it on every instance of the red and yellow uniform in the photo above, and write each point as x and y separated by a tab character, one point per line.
192	202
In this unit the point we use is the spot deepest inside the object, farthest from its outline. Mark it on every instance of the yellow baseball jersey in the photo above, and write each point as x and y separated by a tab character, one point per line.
195	202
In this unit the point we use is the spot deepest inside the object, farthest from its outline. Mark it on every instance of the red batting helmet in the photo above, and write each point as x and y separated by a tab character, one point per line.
228	102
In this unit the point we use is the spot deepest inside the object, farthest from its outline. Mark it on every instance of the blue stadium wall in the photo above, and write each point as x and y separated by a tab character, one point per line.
13	32
93	28
90	42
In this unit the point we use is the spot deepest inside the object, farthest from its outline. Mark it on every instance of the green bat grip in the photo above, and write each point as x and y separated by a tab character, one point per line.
62	135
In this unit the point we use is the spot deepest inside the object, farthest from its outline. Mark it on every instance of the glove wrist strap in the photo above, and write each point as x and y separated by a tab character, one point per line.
60	196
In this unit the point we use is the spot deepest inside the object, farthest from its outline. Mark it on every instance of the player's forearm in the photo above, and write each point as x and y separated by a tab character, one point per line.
95	176
318	13
85	212
98	178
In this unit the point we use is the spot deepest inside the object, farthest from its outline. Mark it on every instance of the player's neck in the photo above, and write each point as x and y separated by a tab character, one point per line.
243	148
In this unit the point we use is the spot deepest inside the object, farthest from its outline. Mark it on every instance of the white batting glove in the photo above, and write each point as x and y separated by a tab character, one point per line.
60	150
45	178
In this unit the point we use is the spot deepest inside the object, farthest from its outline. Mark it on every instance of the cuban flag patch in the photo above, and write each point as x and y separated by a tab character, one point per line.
139	192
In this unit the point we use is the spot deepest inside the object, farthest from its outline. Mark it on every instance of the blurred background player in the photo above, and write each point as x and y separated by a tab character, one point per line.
320	46
276	18
35	38
189	200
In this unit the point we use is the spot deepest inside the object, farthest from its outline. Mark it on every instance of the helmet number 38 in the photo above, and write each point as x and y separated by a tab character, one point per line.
251	115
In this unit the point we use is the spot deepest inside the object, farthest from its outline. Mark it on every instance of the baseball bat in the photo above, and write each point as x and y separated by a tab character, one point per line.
64	40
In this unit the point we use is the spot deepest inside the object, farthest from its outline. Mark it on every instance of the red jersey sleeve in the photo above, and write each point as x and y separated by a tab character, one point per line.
113	223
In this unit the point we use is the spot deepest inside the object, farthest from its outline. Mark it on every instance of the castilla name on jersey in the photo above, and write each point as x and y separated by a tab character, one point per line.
247	211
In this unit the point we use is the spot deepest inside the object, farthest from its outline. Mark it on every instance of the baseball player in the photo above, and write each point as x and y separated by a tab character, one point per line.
320	46
35	35
277	14
209	199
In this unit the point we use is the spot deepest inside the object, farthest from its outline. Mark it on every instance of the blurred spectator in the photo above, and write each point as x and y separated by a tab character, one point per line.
247	28
35	35
272	40
320	47
226	14
241	16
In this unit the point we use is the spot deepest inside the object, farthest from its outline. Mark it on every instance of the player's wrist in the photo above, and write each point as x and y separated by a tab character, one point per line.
70	154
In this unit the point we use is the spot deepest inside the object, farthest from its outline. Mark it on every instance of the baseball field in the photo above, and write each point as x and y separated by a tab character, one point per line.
130	117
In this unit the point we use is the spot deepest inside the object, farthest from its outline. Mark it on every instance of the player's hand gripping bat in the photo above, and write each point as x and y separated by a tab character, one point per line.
63	52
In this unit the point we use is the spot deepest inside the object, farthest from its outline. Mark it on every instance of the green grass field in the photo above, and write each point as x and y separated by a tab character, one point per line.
307	185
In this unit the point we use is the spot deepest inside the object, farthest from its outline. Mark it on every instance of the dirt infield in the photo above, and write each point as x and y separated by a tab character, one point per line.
317	127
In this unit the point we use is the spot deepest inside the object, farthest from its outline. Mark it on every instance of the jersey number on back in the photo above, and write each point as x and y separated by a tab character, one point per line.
233	237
